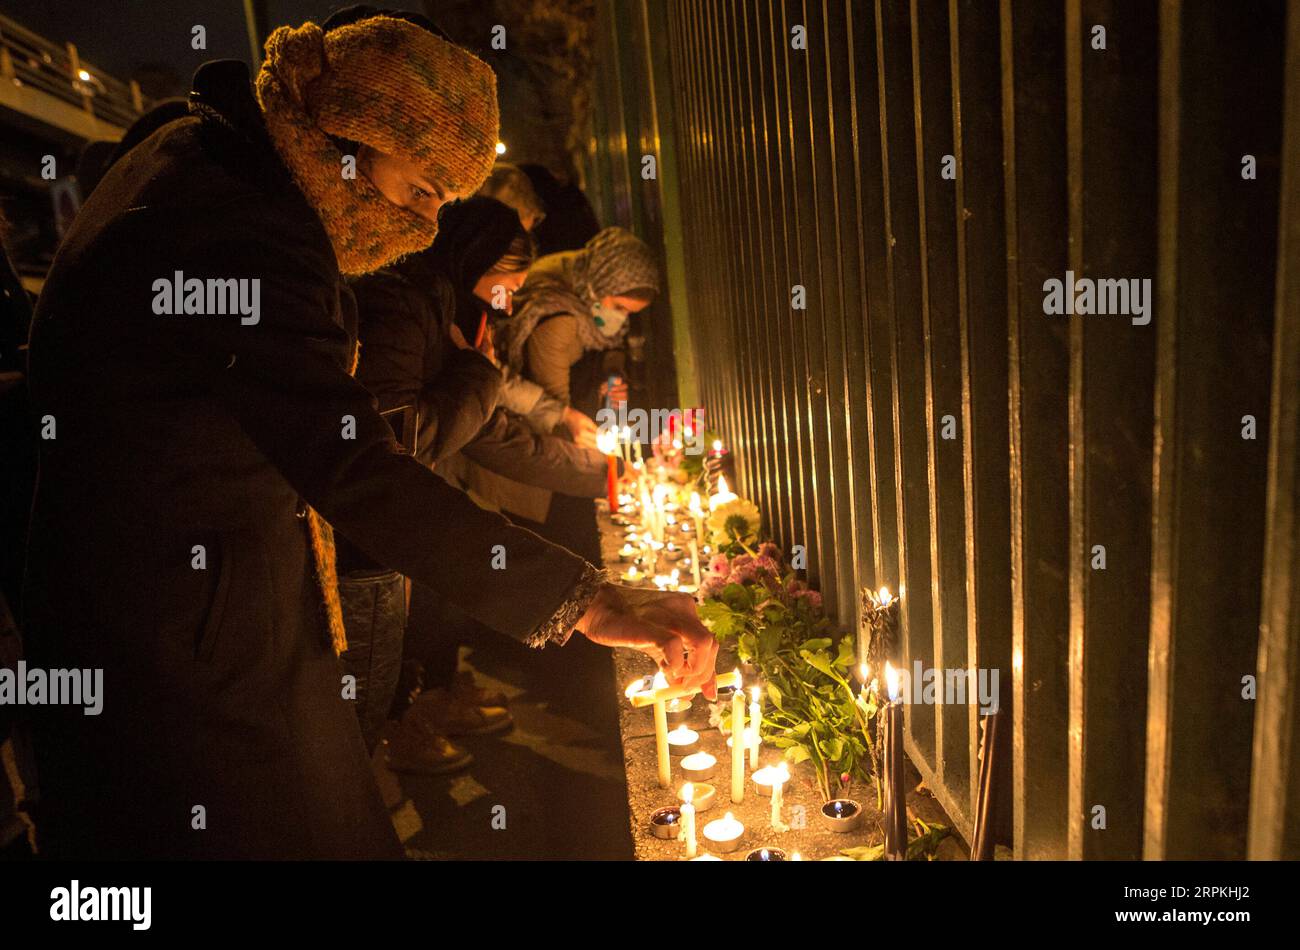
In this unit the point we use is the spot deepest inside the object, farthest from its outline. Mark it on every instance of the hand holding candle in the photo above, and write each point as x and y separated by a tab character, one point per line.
662	624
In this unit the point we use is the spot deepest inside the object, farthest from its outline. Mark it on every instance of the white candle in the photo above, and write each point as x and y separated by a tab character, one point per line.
688	818
661	744
778	796
682	740
724	833
755	718
724	494
695	562
737	745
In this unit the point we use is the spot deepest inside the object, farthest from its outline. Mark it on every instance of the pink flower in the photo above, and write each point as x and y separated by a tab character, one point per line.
813	598
720	565
763	563
711	587
769	550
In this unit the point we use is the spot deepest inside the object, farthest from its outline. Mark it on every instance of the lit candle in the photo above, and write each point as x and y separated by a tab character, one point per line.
661	735
627	552
682	740
765	779
697	513
737	745
699	766
778	798
723	496
755	719
695	562
607	442
665	692
892	762
724	834
632	575
688	818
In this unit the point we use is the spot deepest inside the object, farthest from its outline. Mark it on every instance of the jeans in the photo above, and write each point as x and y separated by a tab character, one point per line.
374	616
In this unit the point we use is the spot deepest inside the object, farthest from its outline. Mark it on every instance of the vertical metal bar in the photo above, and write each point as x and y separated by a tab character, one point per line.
1111	146
810	325
758	230
941	330
907	349
981	299
1274	831
1033	134
844	352
1207	561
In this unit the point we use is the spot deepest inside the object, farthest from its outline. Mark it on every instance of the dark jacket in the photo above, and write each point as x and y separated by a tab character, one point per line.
407	358
221	691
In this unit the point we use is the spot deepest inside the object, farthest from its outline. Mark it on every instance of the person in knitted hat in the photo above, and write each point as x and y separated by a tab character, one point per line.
191	358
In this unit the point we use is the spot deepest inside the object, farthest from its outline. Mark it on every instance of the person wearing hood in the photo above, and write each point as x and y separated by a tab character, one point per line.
574	304
201	431
415	318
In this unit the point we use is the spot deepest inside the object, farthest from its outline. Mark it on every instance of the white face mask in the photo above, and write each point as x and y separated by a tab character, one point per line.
610	319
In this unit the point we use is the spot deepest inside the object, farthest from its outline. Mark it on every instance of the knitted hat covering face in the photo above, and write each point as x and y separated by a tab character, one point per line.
393	86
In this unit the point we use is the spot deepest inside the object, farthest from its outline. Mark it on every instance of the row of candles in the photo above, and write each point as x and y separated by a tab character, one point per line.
657	527
725	834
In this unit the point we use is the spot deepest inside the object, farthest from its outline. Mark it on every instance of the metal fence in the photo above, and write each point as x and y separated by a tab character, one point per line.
1102	508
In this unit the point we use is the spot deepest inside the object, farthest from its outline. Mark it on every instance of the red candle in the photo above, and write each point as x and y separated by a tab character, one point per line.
611	482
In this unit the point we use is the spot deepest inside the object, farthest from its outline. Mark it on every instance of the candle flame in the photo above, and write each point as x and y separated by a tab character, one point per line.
884	595
688	792
660	681
607	442
723	487
864	672
891	681
717	445
695	502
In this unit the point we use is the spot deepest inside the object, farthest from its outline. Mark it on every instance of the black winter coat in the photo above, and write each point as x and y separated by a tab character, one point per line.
224	732
407	358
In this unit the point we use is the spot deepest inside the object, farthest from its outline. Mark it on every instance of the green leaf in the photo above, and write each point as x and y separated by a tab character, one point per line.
816	661
813	645
774	695
737	597
796	754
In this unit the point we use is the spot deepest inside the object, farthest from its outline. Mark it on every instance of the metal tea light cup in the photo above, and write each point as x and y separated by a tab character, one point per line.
841	815
666	822
766	854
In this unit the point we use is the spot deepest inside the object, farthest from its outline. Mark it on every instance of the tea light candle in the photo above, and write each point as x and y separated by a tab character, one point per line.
632	575
688	818
766	854
679	710
841	815
673	552
737	745
765	779
699	766
627	552
704	796
683	741
724	834
755	719
666	822
707	857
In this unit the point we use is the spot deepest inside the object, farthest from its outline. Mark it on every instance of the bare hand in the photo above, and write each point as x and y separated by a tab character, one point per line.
581	427
662	624
486	346
458	338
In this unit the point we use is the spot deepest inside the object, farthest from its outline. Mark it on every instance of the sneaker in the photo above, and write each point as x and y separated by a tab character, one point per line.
413	748
466	687
445	713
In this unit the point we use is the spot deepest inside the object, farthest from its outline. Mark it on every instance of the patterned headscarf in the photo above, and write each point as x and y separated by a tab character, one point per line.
613	263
